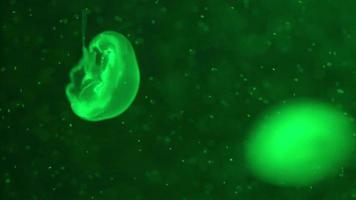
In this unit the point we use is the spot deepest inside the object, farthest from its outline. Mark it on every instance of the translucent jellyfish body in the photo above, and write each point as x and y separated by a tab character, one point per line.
299	144
106	80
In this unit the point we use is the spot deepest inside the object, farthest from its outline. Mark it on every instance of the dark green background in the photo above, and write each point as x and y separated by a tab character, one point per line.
209	68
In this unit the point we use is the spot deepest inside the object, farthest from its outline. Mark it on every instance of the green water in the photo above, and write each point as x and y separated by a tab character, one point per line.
209	69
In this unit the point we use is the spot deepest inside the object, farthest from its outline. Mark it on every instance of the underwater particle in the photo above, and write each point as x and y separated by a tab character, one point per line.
299	144
106	80
7	181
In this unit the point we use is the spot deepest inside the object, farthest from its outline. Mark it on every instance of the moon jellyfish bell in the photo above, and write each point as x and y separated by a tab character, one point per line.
300	144
106	80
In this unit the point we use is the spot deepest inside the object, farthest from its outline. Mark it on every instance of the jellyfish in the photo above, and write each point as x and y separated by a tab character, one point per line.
105	82
300	144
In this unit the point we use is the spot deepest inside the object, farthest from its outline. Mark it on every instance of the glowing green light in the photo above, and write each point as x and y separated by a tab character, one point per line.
299	144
